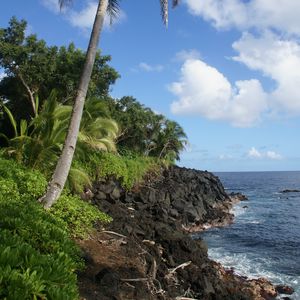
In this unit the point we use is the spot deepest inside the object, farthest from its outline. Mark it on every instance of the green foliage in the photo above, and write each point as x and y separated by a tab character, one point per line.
40	146
30	62
145	132
79	215
30	183
129	169
8	190
37	256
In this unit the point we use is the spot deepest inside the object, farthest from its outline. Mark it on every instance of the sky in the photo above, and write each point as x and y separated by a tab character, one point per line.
228	71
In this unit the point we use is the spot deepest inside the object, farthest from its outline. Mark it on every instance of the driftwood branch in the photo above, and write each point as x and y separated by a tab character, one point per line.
182	266
114	233
134	279
184	298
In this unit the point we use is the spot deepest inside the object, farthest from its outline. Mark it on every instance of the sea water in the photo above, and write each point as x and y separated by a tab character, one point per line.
264	240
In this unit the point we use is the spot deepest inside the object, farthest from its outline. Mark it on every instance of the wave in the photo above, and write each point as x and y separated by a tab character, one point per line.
245	265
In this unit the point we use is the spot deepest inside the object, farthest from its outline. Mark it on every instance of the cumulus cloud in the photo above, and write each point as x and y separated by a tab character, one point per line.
204	91
274	49
273	155
261	14
278	59
150	68
255	154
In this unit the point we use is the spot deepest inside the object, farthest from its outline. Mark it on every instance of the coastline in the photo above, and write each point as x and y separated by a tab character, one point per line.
148	253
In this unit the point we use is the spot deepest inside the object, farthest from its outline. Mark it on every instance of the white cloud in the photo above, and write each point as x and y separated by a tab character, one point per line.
225	157
255	154
273	155
202	90
52	5
274	50
187	54
277	59
84	18
150	68
262	14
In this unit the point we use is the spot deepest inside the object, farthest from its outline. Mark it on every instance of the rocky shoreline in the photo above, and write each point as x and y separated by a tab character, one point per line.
147	251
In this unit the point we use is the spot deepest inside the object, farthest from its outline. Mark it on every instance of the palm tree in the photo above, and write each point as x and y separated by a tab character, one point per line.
171	141
61	172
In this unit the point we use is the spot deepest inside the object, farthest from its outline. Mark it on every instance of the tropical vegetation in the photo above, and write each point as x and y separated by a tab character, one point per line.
118	138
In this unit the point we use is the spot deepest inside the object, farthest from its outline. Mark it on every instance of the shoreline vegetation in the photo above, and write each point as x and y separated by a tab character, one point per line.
121	228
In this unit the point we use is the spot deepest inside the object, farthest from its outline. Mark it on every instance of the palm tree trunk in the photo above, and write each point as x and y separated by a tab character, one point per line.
63	166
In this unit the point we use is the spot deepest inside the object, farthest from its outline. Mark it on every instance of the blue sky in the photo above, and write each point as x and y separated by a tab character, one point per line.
227	70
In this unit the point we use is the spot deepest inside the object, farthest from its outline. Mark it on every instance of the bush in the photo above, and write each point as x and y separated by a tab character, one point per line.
129	169
37	256
8	190
79	215
30	183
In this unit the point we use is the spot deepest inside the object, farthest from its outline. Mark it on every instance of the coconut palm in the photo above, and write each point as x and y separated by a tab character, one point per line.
38	143
171	140
60	175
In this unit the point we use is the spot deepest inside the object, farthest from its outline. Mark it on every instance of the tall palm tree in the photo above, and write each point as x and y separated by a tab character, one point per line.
61	172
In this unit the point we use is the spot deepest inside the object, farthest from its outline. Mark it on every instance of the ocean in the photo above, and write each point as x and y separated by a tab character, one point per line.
264	240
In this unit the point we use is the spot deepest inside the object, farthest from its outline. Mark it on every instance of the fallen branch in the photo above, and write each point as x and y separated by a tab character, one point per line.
113	233
154	269
182	266
134	279
184	298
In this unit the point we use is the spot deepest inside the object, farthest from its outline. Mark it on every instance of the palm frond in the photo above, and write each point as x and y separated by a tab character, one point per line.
23	127
12	120
63	3
113	10
62	112
37	104
175	3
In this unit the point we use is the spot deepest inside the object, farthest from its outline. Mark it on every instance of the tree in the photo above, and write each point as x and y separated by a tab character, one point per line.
170	141
60	175
17	59
38	143
43	68
145	132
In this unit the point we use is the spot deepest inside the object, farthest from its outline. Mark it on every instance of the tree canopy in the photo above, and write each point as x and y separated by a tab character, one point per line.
33	68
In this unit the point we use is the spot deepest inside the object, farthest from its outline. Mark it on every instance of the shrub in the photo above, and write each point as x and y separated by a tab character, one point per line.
130	169
79	215
37	256
8	190
25	273
30	183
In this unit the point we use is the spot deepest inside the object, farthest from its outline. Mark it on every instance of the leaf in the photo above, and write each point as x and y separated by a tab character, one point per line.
11	119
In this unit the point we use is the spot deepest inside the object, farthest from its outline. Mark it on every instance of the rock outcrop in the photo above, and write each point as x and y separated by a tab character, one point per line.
146	252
